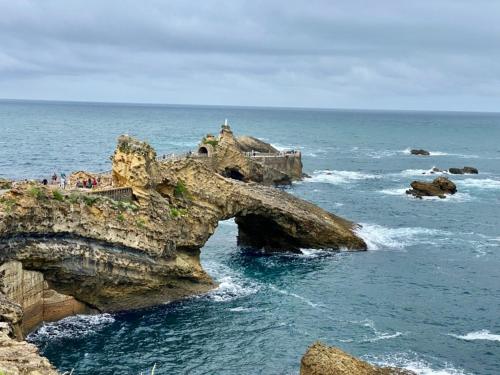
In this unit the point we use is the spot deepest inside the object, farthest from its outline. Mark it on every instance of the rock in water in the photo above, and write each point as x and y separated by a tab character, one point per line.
464	170
420	152
324	360
437	188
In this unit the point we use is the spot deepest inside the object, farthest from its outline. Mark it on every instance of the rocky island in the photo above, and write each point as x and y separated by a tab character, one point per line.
137	242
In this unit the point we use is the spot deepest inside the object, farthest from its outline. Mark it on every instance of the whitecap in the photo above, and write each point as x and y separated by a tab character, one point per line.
241	309
479	183
483	334
413	362
339	177
72	326
378	237
303	299
396	191
231	288
457	197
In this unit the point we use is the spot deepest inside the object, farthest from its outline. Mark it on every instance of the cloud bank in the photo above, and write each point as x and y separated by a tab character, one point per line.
440	54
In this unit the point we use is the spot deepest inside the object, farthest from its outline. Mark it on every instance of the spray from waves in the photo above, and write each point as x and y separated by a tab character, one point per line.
378	237
375	334
483	334
414	362
231	285
479	183
339	177
73	326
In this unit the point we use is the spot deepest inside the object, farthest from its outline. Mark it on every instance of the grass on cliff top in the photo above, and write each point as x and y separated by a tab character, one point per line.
9	204
37	193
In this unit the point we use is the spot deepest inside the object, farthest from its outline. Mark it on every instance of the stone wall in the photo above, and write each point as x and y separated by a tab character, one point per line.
290	164
38	301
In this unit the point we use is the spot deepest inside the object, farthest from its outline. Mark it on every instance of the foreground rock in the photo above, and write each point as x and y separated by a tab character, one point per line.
440	187
5	184
324	360
464	170
420	152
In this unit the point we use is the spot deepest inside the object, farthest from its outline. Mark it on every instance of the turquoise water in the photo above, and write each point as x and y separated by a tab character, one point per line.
426	296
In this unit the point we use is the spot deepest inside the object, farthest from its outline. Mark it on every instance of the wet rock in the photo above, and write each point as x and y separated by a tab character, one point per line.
464	170
324	360
420	152
440	187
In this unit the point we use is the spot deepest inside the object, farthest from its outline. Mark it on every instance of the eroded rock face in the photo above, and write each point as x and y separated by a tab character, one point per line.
420	152
440	187
113	255
324	360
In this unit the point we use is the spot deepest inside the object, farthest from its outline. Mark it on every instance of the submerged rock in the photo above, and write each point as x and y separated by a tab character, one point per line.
440	187
420	152
324	360
464	170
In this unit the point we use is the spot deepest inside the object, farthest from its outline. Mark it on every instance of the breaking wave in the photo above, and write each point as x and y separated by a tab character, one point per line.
407	151
479	183
378	237
339	177
457	197
478	335
377	335
413	362
72	326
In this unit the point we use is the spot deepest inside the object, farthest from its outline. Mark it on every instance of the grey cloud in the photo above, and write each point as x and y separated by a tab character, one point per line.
392	54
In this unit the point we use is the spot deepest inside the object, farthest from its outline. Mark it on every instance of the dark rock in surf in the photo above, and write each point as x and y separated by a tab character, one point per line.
440	187
464	170
420	152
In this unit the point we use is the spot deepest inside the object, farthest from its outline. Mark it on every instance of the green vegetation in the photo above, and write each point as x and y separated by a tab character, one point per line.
141	223
8	203
212	142
177	212
58	196
181	191
124	206
120	218
74	197
90	200
37	192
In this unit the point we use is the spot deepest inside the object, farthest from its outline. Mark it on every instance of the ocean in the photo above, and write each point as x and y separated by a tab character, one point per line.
425	296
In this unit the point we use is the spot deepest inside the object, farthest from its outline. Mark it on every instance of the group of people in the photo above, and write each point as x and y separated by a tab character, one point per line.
55	178
90	183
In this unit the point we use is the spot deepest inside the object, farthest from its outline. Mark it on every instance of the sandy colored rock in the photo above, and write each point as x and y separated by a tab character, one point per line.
440	187
324	360
249	144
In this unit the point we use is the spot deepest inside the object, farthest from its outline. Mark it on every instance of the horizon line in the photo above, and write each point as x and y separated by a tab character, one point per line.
245	106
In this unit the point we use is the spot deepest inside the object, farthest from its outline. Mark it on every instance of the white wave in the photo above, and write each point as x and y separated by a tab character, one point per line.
483	334
230	288
242	309
379	237
457	197
312	253
284	292
407	151
378	335
479	183
72	326
384	336
419	172
412	362
396	191
339	177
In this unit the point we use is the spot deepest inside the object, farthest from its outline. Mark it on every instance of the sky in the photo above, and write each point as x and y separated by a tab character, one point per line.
377	54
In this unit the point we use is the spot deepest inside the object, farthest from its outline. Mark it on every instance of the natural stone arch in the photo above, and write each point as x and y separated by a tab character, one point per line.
234	173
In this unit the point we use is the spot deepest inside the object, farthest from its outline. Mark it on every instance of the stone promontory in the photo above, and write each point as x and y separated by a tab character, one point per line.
81	251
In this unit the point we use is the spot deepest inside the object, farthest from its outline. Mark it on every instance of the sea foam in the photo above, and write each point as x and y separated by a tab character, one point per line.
339	177
478	335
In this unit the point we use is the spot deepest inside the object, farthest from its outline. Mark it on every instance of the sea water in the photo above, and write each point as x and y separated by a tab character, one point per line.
425	296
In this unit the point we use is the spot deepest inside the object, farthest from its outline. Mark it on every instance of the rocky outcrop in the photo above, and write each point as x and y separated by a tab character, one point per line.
440	187
324	360
5	184
464	170
109	255
237	159
249	144
420	152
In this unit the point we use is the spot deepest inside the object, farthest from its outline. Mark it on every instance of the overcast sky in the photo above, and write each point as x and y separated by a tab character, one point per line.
436	54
